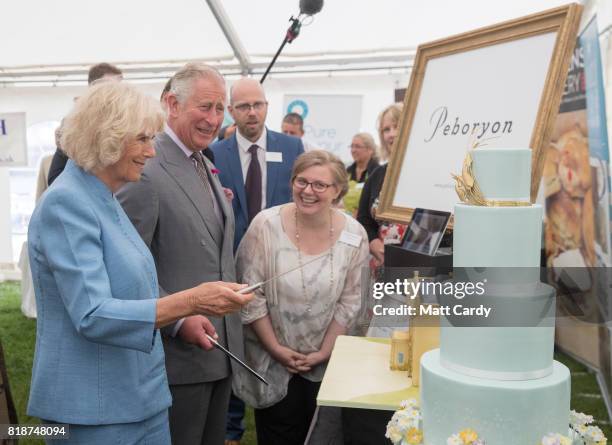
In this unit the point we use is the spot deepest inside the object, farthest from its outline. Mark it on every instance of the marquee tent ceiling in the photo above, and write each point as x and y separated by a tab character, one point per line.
57	40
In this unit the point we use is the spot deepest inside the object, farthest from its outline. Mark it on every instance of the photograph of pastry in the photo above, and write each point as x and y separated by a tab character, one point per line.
572	197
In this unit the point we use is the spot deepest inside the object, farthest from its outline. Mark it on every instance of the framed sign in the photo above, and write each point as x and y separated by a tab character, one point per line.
500	86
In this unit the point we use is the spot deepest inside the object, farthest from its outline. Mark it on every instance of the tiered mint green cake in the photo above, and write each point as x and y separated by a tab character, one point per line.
499	380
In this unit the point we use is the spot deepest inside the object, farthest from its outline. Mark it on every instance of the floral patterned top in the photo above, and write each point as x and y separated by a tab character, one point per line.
300	312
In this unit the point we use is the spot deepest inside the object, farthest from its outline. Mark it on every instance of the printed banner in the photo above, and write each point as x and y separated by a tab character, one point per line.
330	121
13	145
577	190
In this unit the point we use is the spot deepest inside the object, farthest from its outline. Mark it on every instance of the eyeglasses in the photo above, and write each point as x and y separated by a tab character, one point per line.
316	186
357	146
246	107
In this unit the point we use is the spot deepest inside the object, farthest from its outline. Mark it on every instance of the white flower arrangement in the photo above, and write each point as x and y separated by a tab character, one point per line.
589	435
465	437
556	439
581	432
579	419
404	426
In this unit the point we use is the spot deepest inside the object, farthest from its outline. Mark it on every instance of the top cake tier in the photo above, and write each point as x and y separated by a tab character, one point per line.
503	174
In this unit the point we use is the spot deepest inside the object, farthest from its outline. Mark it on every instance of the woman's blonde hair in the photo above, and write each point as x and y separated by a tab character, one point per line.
324	158
103	119
395	111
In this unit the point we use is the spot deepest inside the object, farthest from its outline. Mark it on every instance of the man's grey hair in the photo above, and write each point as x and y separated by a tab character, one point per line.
182	81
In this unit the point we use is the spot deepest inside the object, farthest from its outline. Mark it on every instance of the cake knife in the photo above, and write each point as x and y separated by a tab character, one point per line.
256	286
227	351
248	290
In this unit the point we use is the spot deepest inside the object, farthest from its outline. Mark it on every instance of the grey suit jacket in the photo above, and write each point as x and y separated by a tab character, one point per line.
190	246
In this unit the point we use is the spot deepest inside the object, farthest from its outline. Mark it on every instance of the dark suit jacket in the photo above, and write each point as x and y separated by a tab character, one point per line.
190	246
278	189
352	170
58	163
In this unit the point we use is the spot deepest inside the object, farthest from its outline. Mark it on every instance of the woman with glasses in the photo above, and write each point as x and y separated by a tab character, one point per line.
363	151
293	322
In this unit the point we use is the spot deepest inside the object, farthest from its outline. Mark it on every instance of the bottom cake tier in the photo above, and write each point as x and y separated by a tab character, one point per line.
501	412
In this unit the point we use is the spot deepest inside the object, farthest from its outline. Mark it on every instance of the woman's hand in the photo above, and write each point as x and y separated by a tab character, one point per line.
377	249
313	359
290	359
218	298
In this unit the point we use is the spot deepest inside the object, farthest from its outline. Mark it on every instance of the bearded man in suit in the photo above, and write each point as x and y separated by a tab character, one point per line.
255	163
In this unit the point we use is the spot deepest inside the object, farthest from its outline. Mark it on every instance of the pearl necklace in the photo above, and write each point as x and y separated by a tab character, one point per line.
330	255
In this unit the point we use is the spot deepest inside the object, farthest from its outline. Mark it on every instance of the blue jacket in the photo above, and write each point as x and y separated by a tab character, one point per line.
278	189
99	359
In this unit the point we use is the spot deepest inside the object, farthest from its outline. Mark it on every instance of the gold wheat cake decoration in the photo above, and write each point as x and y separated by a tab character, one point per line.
466	185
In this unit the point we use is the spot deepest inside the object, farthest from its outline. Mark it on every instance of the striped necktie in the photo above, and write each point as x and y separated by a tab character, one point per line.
202	173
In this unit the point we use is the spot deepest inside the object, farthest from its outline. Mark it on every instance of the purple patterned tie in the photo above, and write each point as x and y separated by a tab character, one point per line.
252	185
210	196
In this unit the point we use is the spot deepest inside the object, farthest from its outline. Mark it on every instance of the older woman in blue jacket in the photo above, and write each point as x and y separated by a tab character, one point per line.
99	361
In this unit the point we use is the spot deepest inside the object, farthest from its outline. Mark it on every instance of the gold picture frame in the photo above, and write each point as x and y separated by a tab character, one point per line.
555	29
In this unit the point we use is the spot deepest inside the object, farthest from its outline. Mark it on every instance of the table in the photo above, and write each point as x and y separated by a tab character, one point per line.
358	379
358	376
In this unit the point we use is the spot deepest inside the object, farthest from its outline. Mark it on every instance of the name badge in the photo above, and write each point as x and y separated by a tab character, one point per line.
352	239
359	185
274	156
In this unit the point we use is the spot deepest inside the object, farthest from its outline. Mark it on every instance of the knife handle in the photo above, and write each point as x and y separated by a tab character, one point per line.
248	290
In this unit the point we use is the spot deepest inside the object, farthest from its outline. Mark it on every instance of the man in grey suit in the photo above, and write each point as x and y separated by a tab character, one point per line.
182	213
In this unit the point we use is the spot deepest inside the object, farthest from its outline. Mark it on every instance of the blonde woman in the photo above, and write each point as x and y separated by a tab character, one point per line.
99	361
292	324
380	233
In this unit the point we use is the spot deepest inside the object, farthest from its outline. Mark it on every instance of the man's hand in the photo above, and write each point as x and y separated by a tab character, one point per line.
218	298
194	330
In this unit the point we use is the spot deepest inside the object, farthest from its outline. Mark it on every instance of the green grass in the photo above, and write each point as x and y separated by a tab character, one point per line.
18	335
586	396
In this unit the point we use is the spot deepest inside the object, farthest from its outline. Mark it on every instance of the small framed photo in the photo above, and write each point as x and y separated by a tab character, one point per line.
425	231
